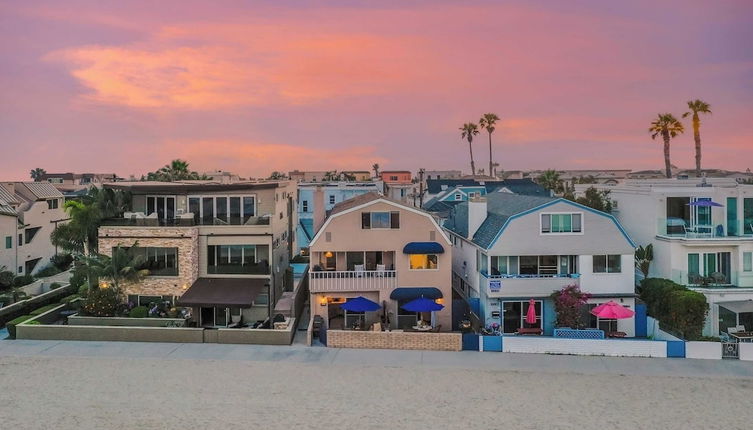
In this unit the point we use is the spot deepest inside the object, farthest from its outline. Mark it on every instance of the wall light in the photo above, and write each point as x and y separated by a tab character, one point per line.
439	301
328	254
323	301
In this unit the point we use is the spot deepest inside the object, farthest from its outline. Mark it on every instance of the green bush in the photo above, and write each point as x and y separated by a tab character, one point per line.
68	299
83	290
62	261
676	307
139	312
79	276
55	286
6	278
11	325
48	271
20	281
101	302
33	322
44	309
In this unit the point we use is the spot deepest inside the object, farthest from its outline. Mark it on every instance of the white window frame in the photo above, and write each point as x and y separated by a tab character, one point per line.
748	261
576	233
332	199
606	264
458	196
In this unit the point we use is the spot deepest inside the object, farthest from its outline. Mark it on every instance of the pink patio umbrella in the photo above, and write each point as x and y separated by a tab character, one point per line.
531	314
612	310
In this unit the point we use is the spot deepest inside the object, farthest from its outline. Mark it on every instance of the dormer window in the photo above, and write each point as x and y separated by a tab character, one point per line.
380	220
553	223
458	197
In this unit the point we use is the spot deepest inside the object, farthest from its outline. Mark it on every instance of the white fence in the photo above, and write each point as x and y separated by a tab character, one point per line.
602	347
365	280
704	350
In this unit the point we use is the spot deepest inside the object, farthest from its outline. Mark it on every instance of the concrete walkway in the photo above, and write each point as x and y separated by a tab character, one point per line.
490	361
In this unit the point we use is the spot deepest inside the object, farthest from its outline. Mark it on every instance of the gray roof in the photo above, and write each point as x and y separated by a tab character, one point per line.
6	209
43	190
500	208
7	197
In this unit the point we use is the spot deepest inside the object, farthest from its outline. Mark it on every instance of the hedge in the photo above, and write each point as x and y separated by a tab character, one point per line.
44	309
675	306
11	326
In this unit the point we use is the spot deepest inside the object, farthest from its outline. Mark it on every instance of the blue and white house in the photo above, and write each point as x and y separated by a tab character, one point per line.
509	249
316	199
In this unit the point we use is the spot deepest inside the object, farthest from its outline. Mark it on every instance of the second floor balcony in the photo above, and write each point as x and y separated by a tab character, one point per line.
352	280
139	219
526	285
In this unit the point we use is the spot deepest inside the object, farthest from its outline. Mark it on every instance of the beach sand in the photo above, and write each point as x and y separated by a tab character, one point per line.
106	393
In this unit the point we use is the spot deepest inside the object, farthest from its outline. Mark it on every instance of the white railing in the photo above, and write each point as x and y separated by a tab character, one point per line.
351	280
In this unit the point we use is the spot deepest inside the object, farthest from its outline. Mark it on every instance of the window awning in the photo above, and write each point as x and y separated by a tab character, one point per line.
410	293
738	306
423	248
223	292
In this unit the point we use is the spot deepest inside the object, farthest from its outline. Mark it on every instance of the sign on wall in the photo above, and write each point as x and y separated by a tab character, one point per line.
495	285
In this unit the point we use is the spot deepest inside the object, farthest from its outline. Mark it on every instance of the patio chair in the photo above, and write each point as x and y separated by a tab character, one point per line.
720	231
359	270
740	328
731	330
380	268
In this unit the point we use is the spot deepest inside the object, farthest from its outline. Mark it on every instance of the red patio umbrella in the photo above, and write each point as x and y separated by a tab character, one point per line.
531	314
612	310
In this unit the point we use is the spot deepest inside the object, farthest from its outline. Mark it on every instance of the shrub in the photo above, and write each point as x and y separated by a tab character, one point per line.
6	278
43	309
568	303
62	261
20	281
79	276
101	302
83	290
679	309
139	312
68	299
48	271
655	293
55	286
11	325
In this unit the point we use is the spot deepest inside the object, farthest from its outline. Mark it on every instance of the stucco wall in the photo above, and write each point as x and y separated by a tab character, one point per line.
605	347
38	215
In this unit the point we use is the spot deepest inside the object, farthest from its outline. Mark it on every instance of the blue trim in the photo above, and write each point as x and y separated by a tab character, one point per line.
676	348
423	248
561	200
411	293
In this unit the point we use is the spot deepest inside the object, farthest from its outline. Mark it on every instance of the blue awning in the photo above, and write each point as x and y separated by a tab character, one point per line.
423	248
411	293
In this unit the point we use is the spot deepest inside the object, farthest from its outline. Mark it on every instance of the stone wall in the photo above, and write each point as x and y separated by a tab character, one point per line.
394	340
185	239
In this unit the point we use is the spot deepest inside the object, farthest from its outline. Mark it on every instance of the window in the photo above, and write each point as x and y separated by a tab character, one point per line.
514	316
234	210
458	196
423	262
29	233
55	180
471	194
561	223
164	206
238	259
393	178
332	199
607	264
371	220
52	204
305	205
20	239
8	242
747	261
748	215
160	261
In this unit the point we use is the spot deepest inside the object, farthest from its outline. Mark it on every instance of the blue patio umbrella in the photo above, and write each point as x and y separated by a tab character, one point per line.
360	304
705	203
422	304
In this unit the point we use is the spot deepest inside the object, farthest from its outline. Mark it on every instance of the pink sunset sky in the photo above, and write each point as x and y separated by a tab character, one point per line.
251	87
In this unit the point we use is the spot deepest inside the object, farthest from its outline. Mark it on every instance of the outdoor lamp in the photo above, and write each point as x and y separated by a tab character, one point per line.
439	301
328	254
323	301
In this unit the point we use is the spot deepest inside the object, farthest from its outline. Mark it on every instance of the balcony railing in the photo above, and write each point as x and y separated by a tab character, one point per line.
352	280
143	221
684	229
532	276
527	285
715	280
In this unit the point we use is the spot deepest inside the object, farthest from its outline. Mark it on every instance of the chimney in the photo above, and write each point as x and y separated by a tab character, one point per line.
319	212
476	214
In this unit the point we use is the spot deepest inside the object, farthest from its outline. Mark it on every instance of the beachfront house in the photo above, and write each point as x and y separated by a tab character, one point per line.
386	252
702	234
221	249
513	249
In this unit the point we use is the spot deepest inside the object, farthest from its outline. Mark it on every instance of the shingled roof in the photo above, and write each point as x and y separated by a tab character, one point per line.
42	190
517	186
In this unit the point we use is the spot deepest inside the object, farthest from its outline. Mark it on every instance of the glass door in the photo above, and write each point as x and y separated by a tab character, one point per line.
732	216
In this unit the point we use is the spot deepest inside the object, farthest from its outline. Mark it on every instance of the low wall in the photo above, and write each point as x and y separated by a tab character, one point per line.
703	350
602	347
122	322
746	351
394	340
115	334
253	336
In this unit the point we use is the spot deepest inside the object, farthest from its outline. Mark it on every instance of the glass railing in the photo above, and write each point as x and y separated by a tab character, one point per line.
260	268
530	276
713	280
143	221
678	227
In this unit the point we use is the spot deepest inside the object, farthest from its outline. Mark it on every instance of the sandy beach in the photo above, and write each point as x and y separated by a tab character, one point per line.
155	393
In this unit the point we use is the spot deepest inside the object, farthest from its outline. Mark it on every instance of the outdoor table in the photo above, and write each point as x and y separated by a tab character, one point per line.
616	334
743	336
422	328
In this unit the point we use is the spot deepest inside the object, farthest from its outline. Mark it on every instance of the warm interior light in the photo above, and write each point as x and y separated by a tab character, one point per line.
328	254
323	301
185	286
439	301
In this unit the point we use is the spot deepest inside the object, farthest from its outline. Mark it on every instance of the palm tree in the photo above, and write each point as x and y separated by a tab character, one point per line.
668	127
697	106
488	122
550	180
124	266
375	168
276	175
36	174
643	258
177	170
79	234
469	130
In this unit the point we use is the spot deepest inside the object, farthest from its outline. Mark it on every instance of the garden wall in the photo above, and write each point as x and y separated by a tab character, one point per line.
394	340
122	322
704	350
25	306
746	351
253	336
599	347
114	334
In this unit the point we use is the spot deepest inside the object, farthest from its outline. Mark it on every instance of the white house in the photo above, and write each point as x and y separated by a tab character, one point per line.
702	233
512	248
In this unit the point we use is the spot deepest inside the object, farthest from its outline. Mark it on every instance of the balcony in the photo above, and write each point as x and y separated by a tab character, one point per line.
731	279
352	280
683	229
137	219
526	285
